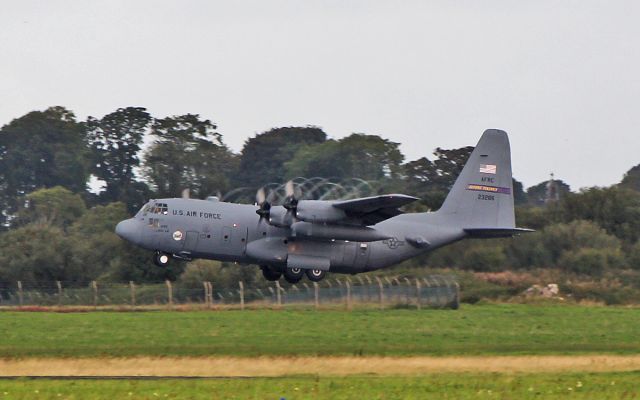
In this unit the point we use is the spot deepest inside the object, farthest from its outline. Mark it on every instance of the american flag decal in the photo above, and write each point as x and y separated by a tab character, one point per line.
488	169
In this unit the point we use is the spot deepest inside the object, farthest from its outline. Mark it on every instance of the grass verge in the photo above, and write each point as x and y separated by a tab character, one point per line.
437	386
508	329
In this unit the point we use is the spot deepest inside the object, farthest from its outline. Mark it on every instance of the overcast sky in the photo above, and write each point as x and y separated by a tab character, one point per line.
562	77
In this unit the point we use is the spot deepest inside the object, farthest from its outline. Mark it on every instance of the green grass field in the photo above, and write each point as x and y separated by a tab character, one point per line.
438	386
472	330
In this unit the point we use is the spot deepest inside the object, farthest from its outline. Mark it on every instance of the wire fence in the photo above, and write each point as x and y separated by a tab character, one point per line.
430	292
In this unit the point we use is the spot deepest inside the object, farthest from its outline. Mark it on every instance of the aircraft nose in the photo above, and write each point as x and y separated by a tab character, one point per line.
128	230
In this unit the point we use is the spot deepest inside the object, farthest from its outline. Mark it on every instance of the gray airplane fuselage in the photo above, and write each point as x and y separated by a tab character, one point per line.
223	231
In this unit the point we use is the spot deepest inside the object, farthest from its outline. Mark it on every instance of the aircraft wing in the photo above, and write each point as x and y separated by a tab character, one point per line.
371	210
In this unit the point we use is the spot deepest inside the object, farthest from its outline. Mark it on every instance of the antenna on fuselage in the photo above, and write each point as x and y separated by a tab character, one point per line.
185	193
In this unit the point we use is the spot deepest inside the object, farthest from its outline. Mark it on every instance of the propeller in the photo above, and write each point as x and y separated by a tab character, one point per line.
261	201
290	202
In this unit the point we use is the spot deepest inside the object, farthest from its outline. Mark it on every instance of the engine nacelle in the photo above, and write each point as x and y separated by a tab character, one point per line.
319	212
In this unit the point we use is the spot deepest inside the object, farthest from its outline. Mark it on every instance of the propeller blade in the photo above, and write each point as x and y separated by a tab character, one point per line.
260	196
265	208
289	189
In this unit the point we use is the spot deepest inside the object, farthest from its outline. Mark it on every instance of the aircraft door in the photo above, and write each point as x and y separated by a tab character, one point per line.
349	253
362	255
190	241
234	240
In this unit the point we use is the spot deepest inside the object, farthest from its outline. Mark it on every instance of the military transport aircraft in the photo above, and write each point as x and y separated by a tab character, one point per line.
312	237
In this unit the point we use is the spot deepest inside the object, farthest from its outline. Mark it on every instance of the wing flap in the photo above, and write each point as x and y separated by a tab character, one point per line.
372	210
487	233
370	204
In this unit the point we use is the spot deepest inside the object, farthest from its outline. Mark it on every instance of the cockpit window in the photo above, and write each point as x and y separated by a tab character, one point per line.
144	210
157	208
162	208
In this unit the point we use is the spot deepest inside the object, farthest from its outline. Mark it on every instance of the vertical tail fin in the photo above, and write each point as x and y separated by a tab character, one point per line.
482	196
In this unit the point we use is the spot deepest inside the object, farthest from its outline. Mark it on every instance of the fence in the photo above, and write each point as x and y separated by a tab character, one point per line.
433	291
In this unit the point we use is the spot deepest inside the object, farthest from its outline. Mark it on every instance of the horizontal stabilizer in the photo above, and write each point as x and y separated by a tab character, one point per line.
488	233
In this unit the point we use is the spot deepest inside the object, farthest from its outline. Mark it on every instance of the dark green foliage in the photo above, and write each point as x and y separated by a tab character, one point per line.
56	206
537	195
615	209
519	195
431	180
590	261
36	253
263	157
223	274
634	256
188	154
484	258
367	157
41	149
104	256
631	179
560	245
115	142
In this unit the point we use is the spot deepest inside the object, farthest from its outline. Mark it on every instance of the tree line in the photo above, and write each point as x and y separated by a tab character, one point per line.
55	227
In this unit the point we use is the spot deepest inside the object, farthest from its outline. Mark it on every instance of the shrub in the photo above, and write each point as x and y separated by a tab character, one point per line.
485	259
591	261
634	256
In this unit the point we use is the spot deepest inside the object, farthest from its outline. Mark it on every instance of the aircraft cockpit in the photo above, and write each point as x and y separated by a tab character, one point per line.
154	208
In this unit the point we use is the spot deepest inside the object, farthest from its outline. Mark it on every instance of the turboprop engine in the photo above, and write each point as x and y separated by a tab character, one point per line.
317	211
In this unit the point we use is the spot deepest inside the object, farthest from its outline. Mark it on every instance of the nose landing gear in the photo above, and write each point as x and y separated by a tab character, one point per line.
161	259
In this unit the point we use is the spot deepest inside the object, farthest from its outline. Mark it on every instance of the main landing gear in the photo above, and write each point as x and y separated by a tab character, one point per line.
315	275
270	274
292	275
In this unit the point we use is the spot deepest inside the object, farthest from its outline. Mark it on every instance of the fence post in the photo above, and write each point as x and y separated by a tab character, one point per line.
206	294
278	294
408	282
456	301
380	292
20	298
169	293
241	295
348	285
132	287
94	286
59	284
368	288
418	300
210	294
316	295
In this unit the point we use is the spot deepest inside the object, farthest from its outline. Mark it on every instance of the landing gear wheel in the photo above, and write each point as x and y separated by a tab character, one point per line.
293	275
315	275
161	259
270	274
